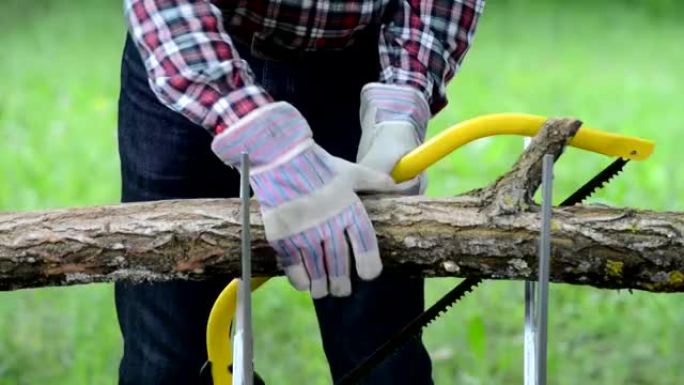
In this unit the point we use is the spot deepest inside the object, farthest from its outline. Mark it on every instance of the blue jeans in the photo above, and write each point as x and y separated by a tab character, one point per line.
164	156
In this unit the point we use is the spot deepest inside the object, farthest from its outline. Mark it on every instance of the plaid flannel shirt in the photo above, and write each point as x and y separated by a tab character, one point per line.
195	69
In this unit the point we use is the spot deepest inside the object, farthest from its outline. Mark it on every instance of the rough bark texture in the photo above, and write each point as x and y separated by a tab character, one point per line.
490	232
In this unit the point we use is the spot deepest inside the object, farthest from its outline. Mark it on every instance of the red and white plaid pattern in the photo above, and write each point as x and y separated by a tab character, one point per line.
192	64
424	43
195	69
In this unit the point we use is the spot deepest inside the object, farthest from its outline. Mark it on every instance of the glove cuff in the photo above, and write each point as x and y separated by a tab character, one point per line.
271	135
391	103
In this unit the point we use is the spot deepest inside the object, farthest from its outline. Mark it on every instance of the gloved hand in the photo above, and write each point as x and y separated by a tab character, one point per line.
308	200
393	122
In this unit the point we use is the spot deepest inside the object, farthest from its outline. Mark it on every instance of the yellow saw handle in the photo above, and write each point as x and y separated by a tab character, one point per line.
447	141
219	344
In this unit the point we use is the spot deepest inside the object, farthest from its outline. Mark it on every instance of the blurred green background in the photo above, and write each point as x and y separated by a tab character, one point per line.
618	65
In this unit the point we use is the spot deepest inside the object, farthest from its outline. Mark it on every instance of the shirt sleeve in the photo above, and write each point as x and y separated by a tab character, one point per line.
422	44
191	62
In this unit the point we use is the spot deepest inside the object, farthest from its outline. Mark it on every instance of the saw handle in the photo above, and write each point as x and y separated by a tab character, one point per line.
219	345
442	144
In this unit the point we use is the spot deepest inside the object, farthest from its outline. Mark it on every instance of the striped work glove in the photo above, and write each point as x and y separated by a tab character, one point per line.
311	212
393	122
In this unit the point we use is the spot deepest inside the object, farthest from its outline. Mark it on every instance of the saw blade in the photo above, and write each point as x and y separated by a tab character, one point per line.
413	328
595	183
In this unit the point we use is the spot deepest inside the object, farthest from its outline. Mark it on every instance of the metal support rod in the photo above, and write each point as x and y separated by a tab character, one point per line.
245	289
530	335
542	311
529	331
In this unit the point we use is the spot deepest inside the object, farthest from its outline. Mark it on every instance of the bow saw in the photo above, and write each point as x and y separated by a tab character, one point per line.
624	148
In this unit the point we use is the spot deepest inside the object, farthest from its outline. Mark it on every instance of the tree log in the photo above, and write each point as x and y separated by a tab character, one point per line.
490	232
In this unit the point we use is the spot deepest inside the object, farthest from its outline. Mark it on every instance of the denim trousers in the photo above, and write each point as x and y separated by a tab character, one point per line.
165	156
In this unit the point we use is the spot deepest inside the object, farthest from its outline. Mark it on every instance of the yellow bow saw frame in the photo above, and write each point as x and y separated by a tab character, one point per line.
219	345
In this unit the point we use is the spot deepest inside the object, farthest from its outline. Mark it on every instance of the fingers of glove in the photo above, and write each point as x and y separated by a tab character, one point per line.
358	177
363	178
291	262
312	255
298	277
381	160
337	258
340	286
415	186
364	243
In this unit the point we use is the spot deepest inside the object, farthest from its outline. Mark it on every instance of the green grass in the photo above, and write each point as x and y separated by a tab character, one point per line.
614	66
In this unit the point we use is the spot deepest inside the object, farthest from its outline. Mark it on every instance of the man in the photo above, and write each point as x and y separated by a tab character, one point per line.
306	88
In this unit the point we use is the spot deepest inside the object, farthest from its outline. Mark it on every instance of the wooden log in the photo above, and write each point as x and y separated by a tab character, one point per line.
490	232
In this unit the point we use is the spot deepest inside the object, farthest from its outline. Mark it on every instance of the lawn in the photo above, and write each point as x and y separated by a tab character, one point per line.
615	65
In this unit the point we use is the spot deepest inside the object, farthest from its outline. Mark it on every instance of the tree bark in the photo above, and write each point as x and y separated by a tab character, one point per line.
490	232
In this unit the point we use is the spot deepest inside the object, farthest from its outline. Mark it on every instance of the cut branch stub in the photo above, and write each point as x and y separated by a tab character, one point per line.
513	192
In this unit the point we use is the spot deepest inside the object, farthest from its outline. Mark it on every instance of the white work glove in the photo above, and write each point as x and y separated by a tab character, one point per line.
310	210
393	122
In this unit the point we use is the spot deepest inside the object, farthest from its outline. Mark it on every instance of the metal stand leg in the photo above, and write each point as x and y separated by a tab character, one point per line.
530	334
544	265
537	296
243	370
